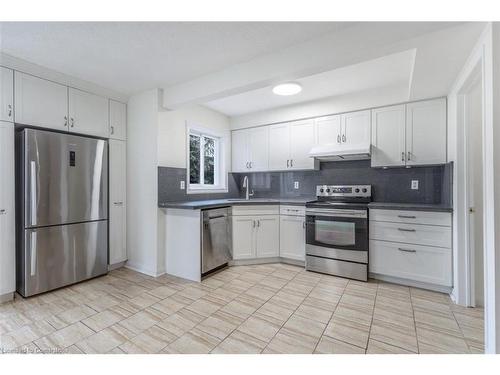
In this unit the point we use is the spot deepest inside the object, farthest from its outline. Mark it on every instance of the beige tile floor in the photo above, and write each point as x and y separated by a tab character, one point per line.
273	308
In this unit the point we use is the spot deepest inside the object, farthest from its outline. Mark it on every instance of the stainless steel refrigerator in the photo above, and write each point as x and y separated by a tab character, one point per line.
62	209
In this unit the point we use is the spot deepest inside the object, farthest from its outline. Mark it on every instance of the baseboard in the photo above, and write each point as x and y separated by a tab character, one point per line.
141	269
115	266
7	297
415	284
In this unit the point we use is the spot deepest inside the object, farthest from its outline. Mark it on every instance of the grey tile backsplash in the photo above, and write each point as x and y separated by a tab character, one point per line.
389	185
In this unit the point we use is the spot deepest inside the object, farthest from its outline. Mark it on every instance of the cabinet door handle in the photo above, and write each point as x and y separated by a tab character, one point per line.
406	230
258	223
304	224
250	164
407	250
287	163
10	110
402	156
112	130
72	122
291	162
344	138
65	121
3	211
118	203
246	164
407	217
409	156
338	138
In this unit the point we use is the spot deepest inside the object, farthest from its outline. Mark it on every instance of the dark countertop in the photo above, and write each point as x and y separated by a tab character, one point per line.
199	205
411	206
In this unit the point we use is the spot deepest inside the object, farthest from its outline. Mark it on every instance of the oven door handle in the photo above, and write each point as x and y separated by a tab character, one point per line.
346	214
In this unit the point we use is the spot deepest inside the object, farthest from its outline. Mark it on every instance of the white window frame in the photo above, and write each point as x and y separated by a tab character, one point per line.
220	173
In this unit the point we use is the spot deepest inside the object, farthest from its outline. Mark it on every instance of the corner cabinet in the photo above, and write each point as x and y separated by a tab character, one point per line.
88	113
410	134
255	232
6	94
7	215
117	201
39	102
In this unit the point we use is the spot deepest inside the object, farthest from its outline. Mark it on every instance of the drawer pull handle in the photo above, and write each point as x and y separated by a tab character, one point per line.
407	230
407	250
407	217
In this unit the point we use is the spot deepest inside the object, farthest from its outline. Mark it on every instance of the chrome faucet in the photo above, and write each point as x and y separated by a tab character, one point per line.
245	186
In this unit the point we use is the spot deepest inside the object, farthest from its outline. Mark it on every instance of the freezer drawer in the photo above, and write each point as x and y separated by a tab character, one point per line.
52	257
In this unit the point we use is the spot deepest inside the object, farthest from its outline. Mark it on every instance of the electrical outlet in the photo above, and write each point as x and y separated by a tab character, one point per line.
414	184
183	185
296	185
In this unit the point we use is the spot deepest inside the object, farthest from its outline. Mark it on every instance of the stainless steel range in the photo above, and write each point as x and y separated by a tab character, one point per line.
337	231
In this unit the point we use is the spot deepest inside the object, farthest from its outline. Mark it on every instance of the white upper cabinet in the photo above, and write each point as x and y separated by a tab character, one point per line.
6	94
118	201
250	149
426	132
258	148
39	102
117	120
279	147
409	134
328	130
88	113
355	128
388	136
302	139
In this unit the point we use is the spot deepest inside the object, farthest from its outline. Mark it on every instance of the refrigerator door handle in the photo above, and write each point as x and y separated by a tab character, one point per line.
33	253
33	193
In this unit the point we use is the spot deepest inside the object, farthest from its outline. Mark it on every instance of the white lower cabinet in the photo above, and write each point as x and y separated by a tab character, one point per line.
117	202
255	232
292	237
412	246
7	215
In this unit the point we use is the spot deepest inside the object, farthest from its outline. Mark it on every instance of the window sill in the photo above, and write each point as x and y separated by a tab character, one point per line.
206	191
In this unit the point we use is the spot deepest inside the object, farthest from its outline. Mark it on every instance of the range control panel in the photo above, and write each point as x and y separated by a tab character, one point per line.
344	191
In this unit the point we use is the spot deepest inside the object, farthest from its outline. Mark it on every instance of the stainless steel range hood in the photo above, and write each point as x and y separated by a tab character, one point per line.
336	152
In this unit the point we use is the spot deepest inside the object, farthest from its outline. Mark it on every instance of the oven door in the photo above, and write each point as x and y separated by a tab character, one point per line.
342	229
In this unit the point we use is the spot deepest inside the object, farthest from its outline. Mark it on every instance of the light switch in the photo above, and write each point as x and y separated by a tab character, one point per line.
296	185
183	185
414	184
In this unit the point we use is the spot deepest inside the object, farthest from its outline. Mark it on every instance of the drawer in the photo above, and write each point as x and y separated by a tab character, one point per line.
428	235
256	210
413	217
292	210
412	262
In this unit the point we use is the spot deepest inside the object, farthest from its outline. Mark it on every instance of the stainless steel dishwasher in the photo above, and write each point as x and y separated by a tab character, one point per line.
216	239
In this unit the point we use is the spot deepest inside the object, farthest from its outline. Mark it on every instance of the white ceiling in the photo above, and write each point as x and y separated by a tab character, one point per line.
129	57
390	71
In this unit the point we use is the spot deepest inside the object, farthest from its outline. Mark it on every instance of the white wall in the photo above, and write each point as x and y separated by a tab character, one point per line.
323	107
172	132
142	184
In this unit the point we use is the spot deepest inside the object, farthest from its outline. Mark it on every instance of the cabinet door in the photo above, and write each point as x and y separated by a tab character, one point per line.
239	151
302	139
267	236
356	128
426	132
279	147
243	237
88	113
388	136
118	201
6	94
328	130
258	148
39	102
7	216
117	120
292	237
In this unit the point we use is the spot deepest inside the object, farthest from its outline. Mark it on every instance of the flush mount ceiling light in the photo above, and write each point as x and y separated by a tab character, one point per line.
286	89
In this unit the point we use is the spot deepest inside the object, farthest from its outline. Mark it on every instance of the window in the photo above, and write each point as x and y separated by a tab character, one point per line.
205	170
